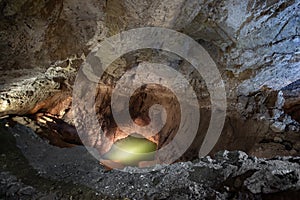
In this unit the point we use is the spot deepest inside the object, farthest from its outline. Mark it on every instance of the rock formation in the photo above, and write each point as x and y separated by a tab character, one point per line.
254	43
229	175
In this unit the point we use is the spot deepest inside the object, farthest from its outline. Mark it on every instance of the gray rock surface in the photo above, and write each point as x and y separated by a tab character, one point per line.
255	43
228	175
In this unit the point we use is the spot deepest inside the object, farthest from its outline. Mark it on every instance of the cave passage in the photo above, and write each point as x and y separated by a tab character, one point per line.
131	150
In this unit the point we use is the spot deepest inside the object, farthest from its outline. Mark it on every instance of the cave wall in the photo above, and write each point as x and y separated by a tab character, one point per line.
254	43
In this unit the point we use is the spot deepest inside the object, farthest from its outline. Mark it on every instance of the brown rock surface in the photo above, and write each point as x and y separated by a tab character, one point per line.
254	43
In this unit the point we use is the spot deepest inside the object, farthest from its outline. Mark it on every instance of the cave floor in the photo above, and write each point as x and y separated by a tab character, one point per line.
33	169
20	180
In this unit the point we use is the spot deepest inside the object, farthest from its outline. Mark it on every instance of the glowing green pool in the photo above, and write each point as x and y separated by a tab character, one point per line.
131	150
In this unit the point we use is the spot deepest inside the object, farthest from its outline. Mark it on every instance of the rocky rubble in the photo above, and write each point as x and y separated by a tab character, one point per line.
12	188
228	175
